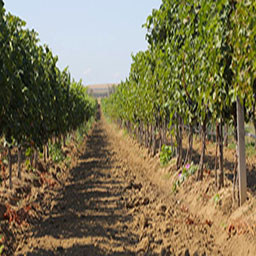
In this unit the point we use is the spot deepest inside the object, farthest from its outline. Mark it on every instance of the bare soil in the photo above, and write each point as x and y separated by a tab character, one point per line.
117	200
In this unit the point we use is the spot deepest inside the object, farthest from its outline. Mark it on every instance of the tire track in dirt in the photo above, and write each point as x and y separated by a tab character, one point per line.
110	207
163	224
86	217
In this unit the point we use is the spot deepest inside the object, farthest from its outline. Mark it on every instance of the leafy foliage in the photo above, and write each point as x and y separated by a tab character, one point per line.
200	58
166	154
37	100
56	153
188	170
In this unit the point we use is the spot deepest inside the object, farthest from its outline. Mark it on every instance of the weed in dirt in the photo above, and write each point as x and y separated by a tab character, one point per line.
1	243
125	132
250	148
28	154
248	128
68	139
41	155
56	152
216	199
250	144
108	119
174	188
232	145
166	155
187	170
83	130
224	225
67	162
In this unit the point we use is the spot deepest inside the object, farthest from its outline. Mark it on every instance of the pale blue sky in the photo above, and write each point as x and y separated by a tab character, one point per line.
95	38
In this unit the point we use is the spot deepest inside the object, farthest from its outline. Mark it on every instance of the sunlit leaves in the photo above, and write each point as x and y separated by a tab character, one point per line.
37	100
201	55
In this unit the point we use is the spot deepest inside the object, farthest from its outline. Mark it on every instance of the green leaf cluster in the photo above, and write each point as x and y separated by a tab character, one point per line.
187	171
56	153
37	99
166	154
200	57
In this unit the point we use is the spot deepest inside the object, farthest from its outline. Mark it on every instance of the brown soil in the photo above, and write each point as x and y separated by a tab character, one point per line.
118	201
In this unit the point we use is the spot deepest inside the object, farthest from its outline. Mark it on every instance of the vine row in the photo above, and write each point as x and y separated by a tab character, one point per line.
200	58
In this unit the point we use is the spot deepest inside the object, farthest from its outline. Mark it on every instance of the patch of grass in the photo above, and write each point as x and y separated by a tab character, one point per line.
125	132
174	187
28	154
1	249
166	155
56	153
83	130
68	162
232	145
224	225
250	148
68	139
108	119
248	128
216	199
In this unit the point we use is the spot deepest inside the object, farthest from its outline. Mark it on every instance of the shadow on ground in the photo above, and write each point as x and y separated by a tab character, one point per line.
87	218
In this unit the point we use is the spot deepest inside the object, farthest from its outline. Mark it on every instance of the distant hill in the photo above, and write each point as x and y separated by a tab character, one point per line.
100	90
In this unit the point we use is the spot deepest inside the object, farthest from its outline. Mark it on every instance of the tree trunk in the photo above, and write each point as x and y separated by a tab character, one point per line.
241	153
235	180
137	132
153	140
209	133
235	176
19	161
130	128
10	166
164	132
64	140
47	151
150	139
31	158
226	135
190	145
172	143
144	134
140	133
253	111
254	124
212	134
147	136
44	153
160	138
216	155
179	142
35	158
221	171
201	164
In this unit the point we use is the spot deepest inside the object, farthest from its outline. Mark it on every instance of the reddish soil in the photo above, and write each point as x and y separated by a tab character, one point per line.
119	201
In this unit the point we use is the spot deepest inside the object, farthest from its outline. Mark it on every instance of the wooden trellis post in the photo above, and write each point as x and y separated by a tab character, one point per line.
241	152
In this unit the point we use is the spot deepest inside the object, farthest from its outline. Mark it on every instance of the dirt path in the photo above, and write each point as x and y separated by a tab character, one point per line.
110	207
